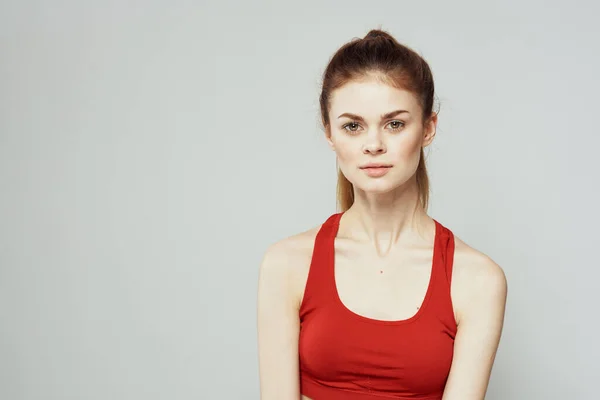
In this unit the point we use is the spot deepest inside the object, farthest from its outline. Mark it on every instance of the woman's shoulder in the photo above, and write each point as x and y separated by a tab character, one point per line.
285	251
476	276
471	263
287	261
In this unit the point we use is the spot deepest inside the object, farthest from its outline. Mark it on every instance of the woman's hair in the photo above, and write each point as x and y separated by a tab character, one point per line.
378	55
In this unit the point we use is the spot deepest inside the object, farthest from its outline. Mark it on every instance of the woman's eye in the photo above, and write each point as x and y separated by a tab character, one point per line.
352	125
396	125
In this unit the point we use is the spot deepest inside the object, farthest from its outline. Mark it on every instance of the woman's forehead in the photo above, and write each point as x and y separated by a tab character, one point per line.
371	98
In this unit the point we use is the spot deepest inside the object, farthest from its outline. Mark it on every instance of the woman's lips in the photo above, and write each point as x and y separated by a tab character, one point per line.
376	171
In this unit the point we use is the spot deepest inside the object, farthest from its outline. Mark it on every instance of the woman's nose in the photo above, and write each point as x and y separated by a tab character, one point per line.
374	144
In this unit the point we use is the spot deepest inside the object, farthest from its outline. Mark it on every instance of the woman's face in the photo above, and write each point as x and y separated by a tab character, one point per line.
372	122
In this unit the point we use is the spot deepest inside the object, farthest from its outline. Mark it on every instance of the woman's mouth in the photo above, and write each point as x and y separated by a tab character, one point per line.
377	171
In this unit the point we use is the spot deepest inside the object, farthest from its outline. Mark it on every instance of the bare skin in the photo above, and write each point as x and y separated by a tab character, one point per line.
383	250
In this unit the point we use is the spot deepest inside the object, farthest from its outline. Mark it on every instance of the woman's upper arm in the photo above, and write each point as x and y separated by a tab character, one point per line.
482	301
277	326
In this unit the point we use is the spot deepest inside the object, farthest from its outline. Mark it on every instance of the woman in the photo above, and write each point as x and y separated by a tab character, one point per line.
380	300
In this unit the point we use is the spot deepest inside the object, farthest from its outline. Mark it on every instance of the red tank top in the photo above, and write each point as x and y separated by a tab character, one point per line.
346	356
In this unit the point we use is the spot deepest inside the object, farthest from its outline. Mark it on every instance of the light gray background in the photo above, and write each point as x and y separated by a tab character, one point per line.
150	151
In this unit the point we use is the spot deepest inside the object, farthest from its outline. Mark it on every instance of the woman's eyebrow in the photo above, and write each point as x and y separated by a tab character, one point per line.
384	116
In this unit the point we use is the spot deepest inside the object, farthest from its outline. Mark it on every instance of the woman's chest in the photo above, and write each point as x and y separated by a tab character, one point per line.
415	356
382	289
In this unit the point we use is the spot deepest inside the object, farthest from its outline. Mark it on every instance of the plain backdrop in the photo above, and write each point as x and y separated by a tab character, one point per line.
150	151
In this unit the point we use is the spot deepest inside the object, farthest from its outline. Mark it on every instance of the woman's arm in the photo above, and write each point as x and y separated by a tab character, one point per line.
481	291
278	326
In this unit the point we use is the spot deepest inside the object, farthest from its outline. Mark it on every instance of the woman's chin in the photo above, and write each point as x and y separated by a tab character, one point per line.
376	187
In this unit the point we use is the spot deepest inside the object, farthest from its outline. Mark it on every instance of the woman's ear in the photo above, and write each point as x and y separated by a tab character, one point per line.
430	130
328	137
